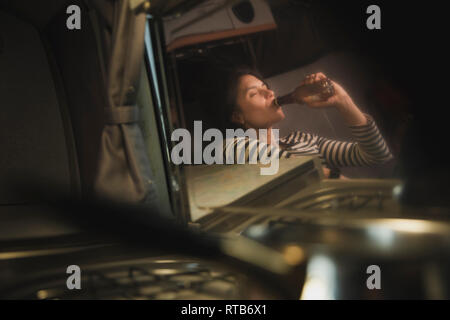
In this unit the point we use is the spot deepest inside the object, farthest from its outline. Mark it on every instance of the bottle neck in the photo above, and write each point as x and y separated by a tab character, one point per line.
285	99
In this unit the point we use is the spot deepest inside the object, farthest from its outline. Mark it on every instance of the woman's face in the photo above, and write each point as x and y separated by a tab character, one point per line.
256	104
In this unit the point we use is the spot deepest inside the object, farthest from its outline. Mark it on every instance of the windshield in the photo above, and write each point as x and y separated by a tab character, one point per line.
241	68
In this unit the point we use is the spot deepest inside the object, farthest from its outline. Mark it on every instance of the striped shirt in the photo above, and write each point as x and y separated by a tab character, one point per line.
367	149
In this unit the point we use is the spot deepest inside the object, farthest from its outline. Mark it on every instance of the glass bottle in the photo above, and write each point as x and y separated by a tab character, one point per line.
320	90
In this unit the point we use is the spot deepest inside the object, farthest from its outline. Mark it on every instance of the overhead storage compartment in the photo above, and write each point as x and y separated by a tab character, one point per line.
217	19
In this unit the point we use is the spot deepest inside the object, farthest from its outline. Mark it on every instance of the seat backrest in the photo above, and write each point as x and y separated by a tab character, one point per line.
75	53
32	131
35	133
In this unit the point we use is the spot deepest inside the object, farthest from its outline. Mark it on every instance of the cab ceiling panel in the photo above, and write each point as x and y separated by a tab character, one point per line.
38	13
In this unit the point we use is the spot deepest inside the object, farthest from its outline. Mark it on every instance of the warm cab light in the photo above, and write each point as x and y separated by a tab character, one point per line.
315	289
320	281
293	255
384	230
408	225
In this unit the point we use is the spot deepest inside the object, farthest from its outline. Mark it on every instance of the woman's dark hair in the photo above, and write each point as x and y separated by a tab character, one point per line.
223	94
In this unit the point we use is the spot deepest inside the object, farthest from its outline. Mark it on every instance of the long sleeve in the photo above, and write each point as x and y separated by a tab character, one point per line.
246	150
368	149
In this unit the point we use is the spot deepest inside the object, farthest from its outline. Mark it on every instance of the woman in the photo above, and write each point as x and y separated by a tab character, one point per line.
249	103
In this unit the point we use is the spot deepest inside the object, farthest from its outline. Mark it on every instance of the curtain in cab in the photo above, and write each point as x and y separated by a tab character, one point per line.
124	172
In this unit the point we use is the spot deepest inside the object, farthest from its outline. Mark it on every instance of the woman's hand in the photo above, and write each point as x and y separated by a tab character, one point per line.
340	97
340	100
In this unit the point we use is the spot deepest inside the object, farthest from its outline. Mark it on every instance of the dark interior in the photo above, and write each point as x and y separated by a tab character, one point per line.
51	114
51	87
52	111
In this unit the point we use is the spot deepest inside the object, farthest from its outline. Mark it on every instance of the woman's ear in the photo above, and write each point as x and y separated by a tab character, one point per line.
237	117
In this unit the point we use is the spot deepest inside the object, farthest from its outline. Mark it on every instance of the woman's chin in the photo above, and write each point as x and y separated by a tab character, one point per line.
281	114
